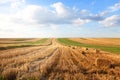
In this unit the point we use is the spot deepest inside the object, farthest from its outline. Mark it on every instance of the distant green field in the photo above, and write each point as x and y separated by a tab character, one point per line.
114	49
26	44
37	42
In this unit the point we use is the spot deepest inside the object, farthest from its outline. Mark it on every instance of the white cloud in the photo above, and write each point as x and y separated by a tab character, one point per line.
27	18
80	21
31	17
84	12
34	14
111	9
116	7
57	14
13	3
112	21
61	10
10	1
26	15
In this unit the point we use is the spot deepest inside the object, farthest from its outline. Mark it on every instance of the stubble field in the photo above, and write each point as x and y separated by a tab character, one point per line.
59	59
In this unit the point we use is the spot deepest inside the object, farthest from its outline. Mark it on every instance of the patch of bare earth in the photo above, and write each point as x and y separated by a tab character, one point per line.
58	62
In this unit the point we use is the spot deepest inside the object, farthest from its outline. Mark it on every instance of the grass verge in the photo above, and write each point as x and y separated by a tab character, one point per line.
114	49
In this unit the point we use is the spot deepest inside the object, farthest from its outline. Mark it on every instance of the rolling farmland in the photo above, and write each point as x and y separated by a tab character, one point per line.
57	59
108	44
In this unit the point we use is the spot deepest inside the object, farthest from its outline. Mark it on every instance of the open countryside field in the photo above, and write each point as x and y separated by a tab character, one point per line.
14	43
99	41
105	44
60	59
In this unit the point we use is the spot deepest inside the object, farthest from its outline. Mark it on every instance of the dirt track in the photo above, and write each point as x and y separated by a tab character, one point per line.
58	62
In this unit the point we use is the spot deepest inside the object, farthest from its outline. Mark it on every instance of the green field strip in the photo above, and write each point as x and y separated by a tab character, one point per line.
114	49
26	44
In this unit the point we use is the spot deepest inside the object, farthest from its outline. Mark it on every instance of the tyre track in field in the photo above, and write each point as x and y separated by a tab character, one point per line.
26	57
31	65
63	65
22	50
34	66
19	53
59	62
22	59
14	50
10	60
48	65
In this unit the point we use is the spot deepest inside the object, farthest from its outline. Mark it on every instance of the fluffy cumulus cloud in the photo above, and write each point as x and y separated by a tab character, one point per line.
80	21
29	17
58	14
61	9
54	15
112	21
100	16
85	14
116	7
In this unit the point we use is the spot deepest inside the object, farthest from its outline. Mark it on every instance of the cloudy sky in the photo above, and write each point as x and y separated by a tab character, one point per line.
59	18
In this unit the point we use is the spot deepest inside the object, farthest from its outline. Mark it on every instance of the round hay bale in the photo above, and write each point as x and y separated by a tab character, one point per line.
83	52
102	63
96	51
84	48
69	46
74	47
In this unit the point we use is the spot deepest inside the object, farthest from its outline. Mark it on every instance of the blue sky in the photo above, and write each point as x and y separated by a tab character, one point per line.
59	18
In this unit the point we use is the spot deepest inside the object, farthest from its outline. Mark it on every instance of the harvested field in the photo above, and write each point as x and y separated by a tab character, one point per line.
54	61
79	42
16	43
99	41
